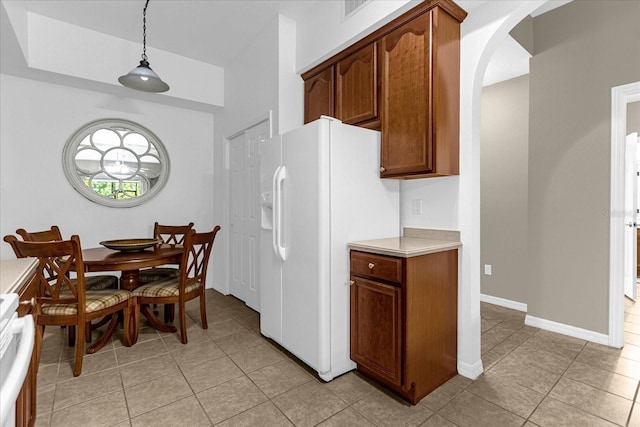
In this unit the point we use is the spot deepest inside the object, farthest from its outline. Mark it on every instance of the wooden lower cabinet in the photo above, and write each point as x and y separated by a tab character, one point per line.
26	403
404	320
377	330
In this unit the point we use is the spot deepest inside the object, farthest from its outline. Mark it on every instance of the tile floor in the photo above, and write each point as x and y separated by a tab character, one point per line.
229	375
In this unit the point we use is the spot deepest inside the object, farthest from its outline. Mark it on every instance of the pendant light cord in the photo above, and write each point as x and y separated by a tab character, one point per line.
144	31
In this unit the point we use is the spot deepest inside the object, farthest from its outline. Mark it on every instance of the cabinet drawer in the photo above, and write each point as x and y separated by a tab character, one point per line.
376	266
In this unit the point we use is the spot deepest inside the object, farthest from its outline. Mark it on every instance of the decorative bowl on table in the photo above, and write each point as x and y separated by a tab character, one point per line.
129	245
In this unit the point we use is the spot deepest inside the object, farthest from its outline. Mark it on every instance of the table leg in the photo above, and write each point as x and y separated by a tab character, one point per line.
154	321
129	279
106	336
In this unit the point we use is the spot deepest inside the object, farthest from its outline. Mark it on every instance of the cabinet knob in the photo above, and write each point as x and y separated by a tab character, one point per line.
371	265
352	282
382	169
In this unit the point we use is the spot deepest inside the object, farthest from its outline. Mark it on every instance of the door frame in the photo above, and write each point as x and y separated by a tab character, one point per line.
620	97
226	213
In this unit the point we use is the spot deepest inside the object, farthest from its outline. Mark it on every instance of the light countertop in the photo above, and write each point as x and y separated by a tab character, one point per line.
415	242
15	272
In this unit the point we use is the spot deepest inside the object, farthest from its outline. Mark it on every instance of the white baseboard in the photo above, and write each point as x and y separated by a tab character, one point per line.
470	371
218	287
545	324
502	302
564	329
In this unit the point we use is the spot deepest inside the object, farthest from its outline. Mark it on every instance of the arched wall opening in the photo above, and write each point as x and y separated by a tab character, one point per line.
481	34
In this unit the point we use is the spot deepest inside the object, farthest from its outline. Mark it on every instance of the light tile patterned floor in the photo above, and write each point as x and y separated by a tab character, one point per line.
229	375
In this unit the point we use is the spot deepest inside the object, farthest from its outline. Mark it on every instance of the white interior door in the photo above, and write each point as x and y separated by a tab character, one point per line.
631	215
244	198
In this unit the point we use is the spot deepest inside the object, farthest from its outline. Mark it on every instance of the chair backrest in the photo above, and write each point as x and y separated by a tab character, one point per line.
40	236
171	234
11	240
35	236
197	249
56	260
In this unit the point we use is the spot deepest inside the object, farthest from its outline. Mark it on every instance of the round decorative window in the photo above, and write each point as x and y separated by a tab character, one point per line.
115	162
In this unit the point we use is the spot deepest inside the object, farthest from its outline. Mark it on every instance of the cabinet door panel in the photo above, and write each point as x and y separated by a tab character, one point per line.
376	328
357	86
318	96
406	92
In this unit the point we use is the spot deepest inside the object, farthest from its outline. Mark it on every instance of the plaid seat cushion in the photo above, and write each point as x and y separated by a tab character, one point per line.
158	273
163	288
96	283
96	300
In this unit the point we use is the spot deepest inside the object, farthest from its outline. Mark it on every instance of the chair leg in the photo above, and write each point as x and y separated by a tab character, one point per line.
72	335
135	321
127	324
87	332
169	313
203	311
77	368
183	325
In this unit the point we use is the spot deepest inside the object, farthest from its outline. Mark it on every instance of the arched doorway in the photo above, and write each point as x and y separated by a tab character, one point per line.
620	97
481	34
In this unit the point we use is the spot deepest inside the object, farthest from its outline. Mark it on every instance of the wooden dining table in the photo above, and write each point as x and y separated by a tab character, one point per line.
129	263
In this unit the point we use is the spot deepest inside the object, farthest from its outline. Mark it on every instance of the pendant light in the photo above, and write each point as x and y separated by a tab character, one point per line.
143	77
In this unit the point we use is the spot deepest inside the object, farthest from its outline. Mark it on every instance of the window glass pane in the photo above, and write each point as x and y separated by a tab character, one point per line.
103	139
136	143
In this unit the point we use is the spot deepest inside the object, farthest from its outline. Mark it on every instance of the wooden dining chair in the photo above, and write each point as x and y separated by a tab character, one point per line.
170	235
103	281
63	301
189	284
95	282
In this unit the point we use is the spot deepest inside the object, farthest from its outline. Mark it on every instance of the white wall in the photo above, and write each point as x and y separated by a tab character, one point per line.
251	91
504	182
36	120
40	39
324	32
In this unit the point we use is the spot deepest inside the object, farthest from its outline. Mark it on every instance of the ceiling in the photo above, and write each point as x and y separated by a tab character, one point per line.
211	31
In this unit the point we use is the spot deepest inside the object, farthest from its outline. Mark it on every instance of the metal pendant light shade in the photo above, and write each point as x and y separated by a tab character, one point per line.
142	77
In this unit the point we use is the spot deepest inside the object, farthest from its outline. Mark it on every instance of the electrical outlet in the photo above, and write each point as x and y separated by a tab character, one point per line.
487	269
417	206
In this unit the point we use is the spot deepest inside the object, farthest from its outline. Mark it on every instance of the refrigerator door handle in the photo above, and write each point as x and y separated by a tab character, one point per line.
278	179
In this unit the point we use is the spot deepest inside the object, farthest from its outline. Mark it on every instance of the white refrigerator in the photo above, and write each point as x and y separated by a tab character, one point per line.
320	189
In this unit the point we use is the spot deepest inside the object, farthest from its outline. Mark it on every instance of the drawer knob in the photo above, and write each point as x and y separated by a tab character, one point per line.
371	265
352	282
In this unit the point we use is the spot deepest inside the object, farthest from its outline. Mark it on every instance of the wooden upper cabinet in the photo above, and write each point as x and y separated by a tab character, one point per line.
420	85
406	113
318	95
357	86
404	80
